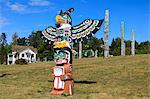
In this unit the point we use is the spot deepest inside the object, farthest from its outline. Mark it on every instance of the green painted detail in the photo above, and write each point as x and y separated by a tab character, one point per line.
80	35
60	32
52	32
96	21
60	55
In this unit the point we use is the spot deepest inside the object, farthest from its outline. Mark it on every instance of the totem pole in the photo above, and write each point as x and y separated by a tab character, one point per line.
106	47
80	49
133	44
63	36
122	40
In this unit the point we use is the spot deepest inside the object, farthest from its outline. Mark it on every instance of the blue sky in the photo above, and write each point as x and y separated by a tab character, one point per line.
25	16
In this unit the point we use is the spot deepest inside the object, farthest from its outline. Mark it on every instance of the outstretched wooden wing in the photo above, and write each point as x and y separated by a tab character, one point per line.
87	28
50	33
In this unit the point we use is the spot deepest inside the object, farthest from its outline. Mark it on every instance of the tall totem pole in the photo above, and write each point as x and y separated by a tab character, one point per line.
63	36
133	44
122	40
106	47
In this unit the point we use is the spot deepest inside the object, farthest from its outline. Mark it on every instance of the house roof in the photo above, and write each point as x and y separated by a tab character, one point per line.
21	48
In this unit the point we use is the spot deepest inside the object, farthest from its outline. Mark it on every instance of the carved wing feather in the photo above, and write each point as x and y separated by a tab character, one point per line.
87	28
50	33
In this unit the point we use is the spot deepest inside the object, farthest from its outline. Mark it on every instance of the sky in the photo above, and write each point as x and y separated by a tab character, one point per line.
25	16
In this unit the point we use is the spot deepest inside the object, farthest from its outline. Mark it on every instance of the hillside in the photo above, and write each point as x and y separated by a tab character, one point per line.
95	78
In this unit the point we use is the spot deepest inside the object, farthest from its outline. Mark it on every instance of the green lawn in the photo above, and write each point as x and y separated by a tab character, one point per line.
95	78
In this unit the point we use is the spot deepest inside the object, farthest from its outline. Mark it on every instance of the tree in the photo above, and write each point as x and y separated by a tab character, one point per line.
136	44
14	39
35	39
128	47
22	41
3	51
115	48
144	48
136	47
45	49
3	39
94	44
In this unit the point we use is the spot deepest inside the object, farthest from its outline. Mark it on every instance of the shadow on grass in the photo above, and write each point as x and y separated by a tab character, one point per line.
3	75
81	82
85	82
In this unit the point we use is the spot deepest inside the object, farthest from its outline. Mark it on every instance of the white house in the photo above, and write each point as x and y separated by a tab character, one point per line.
22	52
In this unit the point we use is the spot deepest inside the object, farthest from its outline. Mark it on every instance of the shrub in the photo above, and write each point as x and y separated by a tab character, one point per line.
21	62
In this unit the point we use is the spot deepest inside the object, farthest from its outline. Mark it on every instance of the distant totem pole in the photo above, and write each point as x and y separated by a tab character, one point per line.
106	31
80	49
122	40
133	44
63	36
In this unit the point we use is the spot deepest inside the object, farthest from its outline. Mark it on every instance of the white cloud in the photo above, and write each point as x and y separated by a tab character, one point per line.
35	11
33	6
16	7
3	21
39	3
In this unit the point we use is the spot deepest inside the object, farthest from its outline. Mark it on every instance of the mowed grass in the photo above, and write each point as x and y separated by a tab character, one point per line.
113	78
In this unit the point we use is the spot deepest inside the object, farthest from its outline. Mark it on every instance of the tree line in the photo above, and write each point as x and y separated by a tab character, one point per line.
45	48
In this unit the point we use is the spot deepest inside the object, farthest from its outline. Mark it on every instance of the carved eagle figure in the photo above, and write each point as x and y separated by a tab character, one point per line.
65	29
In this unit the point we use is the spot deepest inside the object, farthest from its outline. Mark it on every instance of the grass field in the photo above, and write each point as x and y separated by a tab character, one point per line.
95	78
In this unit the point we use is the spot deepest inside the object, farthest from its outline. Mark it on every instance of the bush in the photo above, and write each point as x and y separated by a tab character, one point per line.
21	62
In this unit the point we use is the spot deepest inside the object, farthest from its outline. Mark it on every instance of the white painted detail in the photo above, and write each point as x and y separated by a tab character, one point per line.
58	83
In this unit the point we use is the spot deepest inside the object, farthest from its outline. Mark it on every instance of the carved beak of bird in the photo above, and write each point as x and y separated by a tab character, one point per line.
59	19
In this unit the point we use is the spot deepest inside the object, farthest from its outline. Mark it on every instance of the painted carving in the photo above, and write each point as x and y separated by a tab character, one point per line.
63	36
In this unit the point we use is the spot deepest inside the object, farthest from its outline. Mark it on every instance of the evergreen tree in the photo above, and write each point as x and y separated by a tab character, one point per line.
22	41
94	44
45	50
3	51
14	39
115	48
35	39
144	48
128	47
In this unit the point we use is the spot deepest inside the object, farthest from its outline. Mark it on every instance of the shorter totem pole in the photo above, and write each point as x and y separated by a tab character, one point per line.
63	36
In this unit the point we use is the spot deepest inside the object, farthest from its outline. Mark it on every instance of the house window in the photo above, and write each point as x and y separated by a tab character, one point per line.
28	54
10	55
32	55
22	55
15	55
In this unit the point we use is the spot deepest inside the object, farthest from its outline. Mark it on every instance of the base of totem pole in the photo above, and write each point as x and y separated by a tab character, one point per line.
62	80
68	89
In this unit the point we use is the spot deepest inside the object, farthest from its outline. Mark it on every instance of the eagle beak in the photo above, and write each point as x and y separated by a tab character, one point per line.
59	19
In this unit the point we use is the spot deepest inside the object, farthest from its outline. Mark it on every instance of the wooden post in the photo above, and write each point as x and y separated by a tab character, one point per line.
80	49
133	44
96	51
106	47
122	40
